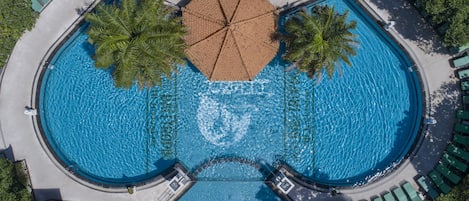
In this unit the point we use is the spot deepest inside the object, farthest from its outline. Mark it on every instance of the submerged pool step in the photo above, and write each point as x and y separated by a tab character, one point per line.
299	126
161	118
206	179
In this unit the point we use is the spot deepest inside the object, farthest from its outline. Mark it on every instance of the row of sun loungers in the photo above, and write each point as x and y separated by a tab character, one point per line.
405	192
455	160
442	173
454	163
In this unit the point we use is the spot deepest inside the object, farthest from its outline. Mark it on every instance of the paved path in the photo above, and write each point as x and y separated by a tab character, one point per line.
50	181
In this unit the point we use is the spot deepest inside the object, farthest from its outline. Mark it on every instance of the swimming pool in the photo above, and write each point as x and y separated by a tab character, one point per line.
341	131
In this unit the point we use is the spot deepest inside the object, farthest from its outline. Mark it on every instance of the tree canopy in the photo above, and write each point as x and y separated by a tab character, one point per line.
16	16
141	40
319	40
12	185
454	16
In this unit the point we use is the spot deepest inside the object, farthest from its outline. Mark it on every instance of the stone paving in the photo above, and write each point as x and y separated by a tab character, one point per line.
51	181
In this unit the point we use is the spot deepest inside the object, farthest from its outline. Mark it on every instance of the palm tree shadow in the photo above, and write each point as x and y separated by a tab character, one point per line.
411	25
89	48
436	137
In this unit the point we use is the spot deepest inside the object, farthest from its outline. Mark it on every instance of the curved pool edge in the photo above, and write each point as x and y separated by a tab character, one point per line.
419	85
91	175
68	191
45	144
411	152
420	79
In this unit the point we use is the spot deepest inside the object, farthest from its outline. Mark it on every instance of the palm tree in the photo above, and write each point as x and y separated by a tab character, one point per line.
319	40
140	39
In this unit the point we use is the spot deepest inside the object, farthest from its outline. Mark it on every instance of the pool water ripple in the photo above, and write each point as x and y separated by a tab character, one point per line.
339	131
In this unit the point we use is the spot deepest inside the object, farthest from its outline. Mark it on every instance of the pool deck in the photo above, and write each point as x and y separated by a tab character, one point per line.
51	181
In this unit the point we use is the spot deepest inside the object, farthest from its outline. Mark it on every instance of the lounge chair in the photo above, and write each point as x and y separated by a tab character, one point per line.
461	61
400	195
462	114
377	199
389	197
458	152
448	174
465	99
456	50
461	139
461	128
425	185
463	73
465	85
37	5
411	192
438	181
457	164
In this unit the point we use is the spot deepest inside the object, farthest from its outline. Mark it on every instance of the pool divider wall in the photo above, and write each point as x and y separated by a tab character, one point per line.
77	176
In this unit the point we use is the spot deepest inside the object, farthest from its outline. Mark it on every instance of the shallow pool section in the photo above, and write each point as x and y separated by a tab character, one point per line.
230	191
341	131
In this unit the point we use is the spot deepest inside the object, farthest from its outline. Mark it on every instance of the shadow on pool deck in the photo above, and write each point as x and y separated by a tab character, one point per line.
411	27
444	103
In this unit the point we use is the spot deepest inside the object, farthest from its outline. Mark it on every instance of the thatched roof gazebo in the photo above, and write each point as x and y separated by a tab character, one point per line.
230	39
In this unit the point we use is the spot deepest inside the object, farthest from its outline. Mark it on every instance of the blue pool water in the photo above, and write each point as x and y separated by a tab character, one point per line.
340	131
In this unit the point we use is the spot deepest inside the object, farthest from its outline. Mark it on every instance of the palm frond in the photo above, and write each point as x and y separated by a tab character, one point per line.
139	38
318	40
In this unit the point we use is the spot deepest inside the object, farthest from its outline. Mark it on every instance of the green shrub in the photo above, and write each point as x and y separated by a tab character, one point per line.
11	186
16	16
452	12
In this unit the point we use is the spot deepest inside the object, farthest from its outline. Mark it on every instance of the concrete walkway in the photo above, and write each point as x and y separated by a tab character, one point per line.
51	182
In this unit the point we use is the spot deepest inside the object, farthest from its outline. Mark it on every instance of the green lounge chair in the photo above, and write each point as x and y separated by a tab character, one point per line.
461	128
36	5
458	152
462	114
438	181
411	192
465	99
448	174
389	197
377	199
429	190
461	61
399	193
457	164
461	139
455	50
465	85
464	73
